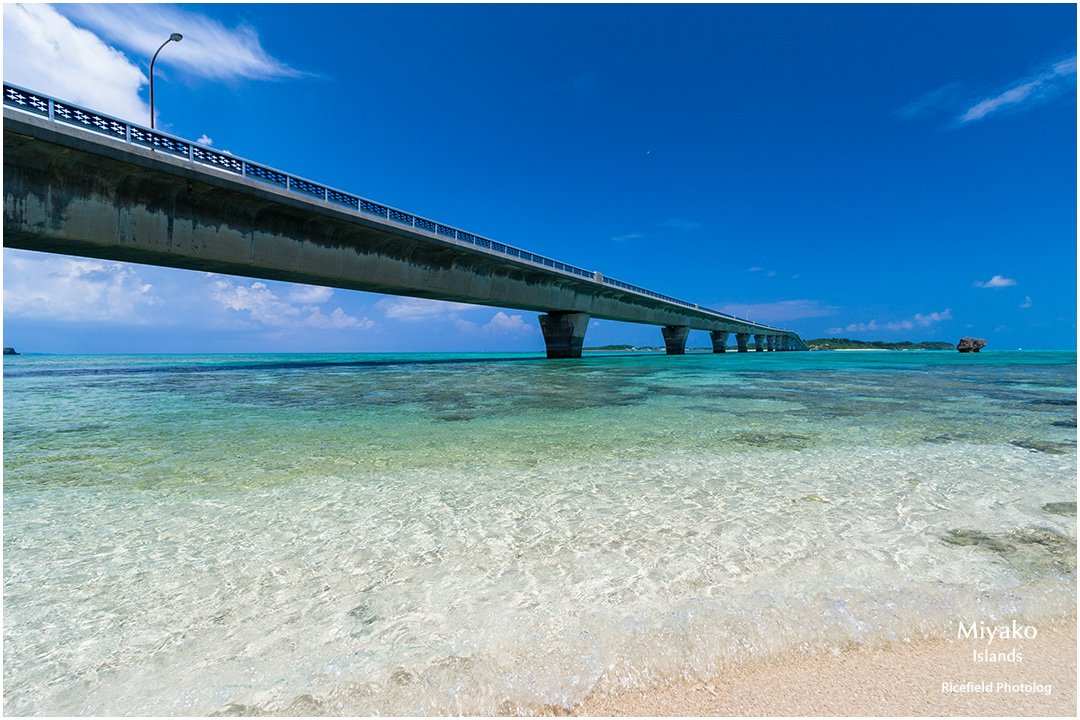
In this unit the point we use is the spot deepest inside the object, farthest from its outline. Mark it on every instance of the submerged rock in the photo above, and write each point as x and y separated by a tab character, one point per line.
1064	402
1064	423
1045	536
1061	508
974	537
787	442
1053	448
967	345
814	498
1032	548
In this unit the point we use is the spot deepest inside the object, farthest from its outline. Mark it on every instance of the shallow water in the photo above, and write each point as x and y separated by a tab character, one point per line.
437	534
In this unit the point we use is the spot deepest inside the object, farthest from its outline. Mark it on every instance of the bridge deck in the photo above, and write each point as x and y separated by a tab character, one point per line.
80	183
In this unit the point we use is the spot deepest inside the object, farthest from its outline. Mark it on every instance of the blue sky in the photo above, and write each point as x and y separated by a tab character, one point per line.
875	172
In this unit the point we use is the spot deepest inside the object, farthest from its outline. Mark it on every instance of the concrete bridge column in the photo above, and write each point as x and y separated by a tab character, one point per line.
742	339
564	333
770	341
782	342
759	343
675	338
719	340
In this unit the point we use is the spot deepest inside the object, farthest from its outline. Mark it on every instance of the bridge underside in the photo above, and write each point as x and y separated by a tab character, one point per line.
70	191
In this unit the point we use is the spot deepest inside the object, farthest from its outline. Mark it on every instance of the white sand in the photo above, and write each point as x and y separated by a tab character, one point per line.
898	680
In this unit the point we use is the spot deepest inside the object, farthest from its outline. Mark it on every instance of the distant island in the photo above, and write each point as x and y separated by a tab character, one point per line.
846	344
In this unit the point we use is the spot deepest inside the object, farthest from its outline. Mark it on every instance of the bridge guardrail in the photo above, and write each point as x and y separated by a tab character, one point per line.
60	111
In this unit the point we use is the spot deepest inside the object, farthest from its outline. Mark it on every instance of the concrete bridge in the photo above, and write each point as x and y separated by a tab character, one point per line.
78	182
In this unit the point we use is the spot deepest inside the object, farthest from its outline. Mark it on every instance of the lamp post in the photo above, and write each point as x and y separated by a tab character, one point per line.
175	37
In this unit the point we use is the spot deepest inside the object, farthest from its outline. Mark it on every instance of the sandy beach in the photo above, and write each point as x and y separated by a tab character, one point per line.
921	679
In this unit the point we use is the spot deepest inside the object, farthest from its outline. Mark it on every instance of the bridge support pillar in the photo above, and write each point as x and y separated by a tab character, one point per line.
759	343
719	340
564	333
782	342
742	339
675	339
770	342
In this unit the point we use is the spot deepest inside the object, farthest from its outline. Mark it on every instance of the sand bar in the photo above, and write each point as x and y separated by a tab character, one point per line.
893	681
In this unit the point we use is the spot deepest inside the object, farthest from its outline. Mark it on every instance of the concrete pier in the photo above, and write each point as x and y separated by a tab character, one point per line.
742	339
719	340
564	333
770	341
759	343
675	338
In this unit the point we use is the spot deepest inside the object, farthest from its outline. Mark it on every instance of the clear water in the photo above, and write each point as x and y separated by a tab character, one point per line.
417	535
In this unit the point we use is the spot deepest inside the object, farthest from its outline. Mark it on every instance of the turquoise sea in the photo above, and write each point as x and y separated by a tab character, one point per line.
484	534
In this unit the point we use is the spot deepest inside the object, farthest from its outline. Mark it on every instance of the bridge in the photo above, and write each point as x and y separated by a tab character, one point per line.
78	182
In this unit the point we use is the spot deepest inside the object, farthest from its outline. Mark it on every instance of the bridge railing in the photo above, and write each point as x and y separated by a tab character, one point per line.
64	112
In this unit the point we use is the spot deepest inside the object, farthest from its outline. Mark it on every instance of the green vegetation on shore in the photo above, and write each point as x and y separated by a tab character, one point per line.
846	344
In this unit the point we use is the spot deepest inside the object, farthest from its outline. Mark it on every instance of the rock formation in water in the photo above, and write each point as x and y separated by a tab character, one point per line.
10	351
971	345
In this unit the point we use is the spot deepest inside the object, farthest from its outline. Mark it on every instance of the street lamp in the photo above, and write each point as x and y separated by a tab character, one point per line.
175	37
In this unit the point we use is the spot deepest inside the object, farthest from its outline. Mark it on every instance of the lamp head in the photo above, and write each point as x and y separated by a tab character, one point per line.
176	37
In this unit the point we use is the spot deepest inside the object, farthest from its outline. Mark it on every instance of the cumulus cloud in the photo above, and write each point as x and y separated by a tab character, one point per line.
1027	302
309	294
204	140
45	51
781	311
1057	79
209	49
299	308
416	309
919	320
995	282
75	289
410	309
503	324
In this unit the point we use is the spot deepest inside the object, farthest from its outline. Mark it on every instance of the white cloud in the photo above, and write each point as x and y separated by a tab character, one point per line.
1027	302
622	240
1051	82
299	308
503	324
309	294
37	285
928	320
995	282
862	327
209	49
781	311
204	140
930	103
415	309
919	320
44	51
60	51
420	309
